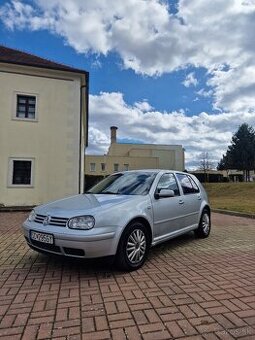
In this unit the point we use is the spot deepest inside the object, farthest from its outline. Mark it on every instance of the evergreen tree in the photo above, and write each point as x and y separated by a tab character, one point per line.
241	153
222	163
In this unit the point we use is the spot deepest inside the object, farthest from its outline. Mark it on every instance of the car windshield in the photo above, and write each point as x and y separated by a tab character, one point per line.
127	183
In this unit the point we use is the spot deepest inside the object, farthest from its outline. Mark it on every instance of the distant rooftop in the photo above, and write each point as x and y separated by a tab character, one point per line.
12	56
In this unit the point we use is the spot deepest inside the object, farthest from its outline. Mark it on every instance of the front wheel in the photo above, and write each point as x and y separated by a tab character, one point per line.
133	247
204	227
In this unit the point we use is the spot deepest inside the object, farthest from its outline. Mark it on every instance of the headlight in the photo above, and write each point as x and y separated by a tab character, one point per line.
31	216
82	222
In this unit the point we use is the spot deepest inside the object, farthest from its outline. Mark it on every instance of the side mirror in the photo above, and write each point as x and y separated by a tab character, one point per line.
164	193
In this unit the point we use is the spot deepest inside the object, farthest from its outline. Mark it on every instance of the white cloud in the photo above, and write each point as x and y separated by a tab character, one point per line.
190	80
99	141
198	133
217	35
204	93
152	41
144	106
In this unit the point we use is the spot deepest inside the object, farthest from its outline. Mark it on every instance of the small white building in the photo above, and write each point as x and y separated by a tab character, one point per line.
43	129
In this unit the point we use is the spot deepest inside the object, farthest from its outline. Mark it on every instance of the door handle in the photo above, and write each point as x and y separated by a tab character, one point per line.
199	197
181	202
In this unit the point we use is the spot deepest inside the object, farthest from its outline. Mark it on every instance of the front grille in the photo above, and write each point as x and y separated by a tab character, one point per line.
56	221
39	218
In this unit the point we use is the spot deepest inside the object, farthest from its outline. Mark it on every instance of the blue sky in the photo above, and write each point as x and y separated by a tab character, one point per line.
156	71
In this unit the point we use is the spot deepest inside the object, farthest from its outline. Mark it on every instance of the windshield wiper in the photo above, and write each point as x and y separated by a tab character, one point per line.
109	193
102	192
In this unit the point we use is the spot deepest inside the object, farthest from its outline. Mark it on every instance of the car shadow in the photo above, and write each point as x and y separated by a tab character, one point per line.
105	267
174	243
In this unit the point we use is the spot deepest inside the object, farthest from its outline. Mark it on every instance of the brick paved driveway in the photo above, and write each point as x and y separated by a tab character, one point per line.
189	289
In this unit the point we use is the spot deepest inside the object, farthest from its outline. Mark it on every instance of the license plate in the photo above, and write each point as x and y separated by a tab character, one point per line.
41	237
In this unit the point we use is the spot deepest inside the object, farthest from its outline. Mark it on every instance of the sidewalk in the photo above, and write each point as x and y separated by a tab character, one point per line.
188	289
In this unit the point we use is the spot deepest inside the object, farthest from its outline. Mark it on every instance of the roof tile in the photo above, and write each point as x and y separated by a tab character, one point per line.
13	56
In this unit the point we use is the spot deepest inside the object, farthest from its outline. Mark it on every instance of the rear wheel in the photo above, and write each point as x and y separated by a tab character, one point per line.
133	247
204	227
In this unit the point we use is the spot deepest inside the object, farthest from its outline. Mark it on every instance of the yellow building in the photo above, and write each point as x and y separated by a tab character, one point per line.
134	156
43	129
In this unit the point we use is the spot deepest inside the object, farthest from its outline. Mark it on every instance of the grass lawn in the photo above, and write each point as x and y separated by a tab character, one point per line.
238	197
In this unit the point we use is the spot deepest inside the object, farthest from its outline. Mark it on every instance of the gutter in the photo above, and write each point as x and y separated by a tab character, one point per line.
81	143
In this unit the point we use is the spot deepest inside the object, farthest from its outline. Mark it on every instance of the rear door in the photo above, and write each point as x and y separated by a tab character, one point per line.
191	199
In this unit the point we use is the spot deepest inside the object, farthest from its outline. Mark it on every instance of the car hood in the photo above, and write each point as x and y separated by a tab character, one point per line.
82	204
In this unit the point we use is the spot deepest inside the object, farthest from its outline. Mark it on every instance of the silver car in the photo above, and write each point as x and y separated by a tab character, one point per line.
124	215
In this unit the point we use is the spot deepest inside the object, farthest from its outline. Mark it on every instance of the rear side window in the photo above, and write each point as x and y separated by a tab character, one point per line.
188	184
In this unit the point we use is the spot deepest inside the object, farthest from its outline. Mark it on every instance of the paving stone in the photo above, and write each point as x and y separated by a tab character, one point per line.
189	289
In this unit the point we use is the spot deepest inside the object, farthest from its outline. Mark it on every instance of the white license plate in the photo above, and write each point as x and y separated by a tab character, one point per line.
41	237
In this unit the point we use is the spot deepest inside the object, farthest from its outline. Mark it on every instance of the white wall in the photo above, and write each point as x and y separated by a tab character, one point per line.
52	141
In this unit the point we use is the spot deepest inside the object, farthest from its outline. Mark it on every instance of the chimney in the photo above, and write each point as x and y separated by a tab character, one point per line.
113	134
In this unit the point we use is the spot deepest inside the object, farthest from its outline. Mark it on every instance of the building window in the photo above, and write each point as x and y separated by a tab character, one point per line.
26	107
116	167
102	166
126	167
92	167
21	172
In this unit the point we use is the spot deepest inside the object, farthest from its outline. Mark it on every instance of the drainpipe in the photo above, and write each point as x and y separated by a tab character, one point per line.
81	142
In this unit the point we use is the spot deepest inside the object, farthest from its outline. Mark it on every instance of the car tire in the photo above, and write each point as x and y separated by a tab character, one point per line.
133	247
204	227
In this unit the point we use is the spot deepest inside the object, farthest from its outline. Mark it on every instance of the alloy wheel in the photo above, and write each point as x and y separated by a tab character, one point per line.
136	246
206	223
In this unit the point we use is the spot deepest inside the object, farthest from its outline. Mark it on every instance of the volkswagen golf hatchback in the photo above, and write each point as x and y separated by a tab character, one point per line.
122	216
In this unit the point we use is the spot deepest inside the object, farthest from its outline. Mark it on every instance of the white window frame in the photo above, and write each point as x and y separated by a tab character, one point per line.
92	168
126	166
14	111
10	172
116	167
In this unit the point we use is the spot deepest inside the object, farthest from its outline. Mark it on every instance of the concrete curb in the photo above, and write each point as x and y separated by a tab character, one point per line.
234	213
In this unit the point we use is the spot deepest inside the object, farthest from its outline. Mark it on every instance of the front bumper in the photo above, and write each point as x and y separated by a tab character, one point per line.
98	242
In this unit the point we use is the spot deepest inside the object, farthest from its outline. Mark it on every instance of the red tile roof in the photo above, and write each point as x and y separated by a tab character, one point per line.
12	56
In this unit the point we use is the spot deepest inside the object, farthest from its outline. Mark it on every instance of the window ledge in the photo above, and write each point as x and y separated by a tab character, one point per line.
25	119
22	186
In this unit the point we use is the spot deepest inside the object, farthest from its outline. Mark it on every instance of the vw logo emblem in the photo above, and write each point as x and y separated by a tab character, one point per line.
46	220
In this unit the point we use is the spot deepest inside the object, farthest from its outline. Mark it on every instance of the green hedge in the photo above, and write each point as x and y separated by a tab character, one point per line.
91	180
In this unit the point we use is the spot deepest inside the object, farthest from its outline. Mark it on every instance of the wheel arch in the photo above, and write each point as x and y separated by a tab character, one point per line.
121	260
143	220
207	208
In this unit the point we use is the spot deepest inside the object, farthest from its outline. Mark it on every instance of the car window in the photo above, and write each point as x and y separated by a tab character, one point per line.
168	181
187	184
126	183
194	184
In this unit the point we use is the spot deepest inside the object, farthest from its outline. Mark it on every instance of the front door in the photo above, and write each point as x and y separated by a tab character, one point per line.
167	211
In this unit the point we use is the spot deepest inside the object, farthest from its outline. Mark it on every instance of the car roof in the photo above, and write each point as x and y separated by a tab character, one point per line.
153	171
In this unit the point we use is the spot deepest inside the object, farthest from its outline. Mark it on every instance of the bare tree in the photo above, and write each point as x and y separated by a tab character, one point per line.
205	164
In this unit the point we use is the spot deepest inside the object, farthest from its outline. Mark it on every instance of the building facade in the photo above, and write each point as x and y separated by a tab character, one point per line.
134	156
43	129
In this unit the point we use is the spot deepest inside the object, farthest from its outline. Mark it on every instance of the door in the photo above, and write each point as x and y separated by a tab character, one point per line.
167	211
191	199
